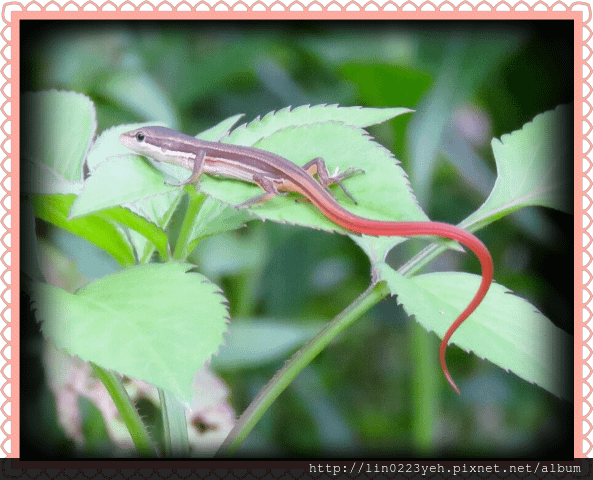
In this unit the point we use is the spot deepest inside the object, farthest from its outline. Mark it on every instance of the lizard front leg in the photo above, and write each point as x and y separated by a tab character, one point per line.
196	171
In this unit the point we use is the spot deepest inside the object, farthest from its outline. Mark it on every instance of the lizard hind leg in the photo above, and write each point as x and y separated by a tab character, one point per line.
268	184
318	166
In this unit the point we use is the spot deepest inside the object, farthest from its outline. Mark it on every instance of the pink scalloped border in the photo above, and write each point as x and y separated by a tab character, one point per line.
12	12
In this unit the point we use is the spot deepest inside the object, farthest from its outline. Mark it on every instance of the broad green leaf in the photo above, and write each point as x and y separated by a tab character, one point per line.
534	167
57	131
118	181
249	133
157	322
504	329
97	229
302	118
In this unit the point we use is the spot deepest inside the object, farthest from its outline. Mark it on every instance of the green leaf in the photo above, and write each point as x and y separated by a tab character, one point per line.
304	133
249	133
534	167
117	181
504	329
97	229
57	131
155	322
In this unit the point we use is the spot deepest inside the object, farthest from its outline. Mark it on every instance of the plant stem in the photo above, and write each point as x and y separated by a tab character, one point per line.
174	426
424	400
294	366
128	413
196	200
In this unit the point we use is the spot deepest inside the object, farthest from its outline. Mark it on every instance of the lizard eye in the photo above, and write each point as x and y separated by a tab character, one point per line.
140	137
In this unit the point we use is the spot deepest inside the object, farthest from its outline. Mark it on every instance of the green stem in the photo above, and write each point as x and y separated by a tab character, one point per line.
296	364
128	413
174	426
425	402
196	200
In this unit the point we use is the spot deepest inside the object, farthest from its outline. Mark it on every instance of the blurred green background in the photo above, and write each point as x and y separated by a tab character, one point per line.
379	390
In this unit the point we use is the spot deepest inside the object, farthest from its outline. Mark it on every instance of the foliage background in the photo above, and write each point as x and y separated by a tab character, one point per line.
378	391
